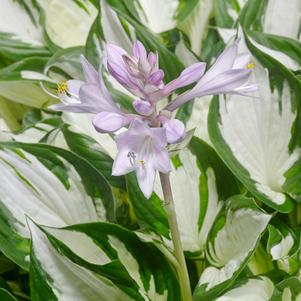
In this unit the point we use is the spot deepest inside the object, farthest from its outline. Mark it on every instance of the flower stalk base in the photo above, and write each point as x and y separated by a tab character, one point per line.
175	236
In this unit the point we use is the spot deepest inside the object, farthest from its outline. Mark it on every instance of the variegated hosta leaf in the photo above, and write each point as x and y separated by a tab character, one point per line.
53	186
231	241
199	116
11	113
20	35
150	213
254	289
226	12
157	20
198	202
66	22
112	28
284	245
18	84
253	137
263	288
196	24
107	28
277	39
22	23
64	64
184	53
288	290
281	240
50	129
281	11
98	262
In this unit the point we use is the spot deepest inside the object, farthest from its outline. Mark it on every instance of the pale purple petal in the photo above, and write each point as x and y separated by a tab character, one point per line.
74	85
74	108
139	51
90	73
115	54
223	63
225	82
245	89
159	137
122	164
106	122
92	95
146	178
71	103
175	130
119	73
242	61
143	107
188	76
103	87
161	161
133	137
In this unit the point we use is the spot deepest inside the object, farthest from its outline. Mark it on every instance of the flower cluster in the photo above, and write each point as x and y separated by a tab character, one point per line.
142	147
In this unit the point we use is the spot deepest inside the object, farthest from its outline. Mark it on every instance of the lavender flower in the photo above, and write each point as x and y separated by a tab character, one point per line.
142	147
229	74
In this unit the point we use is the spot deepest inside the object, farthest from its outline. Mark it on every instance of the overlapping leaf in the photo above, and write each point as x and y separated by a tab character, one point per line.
98	262
232	240
51	185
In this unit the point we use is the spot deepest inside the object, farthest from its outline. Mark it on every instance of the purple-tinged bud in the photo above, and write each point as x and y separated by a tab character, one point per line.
175	130
143	107
188	76
131	65
139	51
153	59
156	78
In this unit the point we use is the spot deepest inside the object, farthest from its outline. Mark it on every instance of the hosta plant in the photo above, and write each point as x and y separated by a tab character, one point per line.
150	150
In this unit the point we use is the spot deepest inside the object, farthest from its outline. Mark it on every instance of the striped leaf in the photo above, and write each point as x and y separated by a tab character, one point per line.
19	82
66	23
262	288
200	183
259	289
20	35
98	262
232	240
51	185
254	138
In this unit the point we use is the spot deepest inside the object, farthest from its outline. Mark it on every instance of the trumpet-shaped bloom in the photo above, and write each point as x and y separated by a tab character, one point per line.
229	74
142	149
92	96
89	96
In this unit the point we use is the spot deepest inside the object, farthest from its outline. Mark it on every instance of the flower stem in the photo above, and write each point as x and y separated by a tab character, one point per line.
175	236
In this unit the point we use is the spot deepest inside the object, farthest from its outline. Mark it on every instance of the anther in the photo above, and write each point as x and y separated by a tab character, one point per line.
132	157
62	88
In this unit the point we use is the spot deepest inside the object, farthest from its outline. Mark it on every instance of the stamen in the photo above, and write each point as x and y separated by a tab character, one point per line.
142	162
132	157
62	88
250	66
